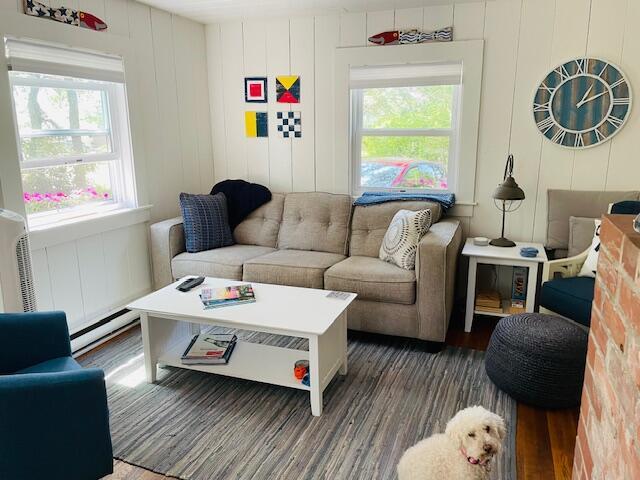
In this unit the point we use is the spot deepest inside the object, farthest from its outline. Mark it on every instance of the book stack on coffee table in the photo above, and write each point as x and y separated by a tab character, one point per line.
209	349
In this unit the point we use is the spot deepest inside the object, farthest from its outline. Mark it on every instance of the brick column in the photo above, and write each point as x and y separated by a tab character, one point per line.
608	442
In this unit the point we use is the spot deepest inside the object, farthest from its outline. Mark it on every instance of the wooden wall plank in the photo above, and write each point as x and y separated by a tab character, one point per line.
116	16
91	264
255	65
353	29
303	64
116	271
468	21
378	22
202	118
166	87
556	163
498	84
278	63
66	285
437	16
327	30
409	18
184	60
138	259
535	42
606	41
216	102
623	162
233	80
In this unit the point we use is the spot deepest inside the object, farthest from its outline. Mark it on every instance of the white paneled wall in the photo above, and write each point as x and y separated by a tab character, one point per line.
89	272
170	77
524	39
93	275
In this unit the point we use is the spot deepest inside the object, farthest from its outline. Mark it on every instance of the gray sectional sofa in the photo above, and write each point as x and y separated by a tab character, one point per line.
319	240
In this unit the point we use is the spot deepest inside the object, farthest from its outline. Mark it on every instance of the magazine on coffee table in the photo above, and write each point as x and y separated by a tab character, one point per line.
223	297
209	349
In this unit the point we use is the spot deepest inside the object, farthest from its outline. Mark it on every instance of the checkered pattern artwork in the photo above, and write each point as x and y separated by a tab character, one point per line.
290	124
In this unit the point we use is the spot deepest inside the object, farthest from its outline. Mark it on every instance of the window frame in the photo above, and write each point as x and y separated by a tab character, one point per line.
357	131
117	118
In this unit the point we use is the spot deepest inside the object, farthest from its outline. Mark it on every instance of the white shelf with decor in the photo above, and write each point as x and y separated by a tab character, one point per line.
500	256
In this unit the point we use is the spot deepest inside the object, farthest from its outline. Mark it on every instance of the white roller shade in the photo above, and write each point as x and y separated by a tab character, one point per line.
36	57
408	75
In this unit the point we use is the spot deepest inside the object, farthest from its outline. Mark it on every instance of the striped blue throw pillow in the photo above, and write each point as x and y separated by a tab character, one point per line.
206	221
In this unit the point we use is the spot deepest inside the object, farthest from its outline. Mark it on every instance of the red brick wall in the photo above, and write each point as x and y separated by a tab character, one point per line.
608	443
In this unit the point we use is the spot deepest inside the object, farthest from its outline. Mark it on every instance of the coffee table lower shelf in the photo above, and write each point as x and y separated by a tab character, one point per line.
249	361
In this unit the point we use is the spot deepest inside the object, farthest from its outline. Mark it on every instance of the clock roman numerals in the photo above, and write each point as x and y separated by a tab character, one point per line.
582	103
621	101
615	121
545	124
542	107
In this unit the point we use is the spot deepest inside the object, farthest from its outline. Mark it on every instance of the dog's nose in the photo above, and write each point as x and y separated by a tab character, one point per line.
487	448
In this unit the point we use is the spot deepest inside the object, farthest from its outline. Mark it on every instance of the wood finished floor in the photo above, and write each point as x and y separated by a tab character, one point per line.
545	439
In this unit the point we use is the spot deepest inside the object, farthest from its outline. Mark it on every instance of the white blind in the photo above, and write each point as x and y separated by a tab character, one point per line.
408	75
36	57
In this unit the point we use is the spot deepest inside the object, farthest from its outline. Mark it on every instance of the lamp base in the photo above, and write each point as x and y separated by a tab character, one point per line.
502	242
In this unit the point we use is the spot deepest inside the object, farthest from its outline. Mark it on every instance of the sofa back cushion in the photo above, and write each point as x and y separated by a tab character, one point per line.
370	223
315	221
262	225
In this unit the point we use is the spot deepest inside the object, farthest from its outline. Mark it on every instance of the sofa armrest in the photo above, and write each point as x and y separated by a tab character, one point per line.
436	262
564	267
30	338
44	416
167	241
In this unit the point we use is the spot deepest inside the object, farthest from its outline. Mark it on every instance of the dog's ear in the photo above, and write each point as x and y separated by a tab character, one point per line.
454	427
500	426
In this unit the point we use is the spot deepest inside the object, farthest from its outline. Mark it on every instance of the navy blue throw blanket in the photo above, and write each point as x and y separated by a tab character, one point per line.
447	200
242	198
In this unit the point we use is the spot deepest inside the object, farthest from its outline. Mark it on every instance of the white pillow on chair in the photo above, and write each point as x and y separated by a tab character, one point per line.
400	243
591	263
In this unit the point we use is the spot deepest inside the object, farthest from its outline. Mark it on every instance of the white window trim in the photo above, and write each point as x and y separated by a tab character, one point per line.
123	189
357	132
467	52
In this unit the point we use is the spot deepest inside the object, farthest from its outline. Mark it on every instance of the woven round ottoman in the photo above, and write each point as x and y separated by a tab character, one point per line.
538	359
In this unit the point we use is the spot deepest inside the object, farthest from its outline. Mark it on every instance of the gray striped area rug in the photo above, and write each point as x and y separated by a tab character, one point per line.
197	426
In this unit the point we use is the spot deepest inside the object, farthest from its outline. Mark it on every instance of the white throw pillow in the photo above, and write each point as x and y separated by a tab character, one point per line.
591	263
400	243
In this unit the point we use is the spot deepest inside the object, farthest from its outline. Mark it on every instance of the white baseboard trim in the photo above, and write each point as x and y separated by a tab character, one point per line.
103	333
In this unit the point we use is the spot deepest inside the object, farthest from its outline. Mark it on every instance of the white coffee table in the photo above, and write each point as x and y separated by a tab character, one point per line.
168	315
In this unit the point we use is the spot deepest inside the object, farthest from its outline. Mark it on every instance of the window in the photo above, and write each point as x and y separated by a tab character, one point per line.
72	135
404	128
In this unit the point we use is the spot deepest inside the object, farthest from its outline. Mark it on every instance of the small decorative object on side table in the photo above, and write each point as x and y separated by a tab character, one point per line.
492	255
511	196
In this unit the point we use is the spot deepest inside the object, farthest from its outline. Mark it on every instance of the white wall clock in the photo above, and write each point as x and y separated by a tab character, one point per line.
582	103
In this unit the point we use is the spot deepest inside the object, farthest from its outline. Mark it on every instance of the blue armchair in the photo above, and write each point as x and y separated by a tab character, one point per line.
54	419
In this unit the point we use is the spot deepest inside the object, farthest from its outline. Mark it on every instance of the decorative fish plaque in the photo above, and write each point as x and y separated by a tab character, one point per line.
64	15
395	37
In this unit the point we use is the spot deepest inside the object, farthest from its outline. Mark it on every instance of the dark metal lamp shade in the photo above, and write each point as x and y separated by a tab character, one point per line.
508	192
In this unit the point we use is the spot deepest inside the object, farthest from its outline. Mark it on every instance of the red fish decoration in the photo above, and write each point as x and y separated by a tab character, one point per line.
64	15
395	37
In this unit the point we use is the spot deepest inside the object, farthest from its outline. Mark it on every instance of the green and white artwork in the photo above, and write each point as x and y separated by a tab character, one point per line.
582	103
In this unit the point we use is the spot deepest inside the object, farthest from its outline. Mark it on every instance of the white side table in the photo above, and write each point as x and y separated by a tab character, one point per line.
509	256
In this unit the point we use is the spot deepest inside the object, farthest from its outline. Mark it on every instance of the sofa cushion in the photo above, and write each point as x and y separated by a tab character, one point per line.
60	364
262	225
580	234
315	221
570	297
206	221
372	279
225	262
297	268
370	223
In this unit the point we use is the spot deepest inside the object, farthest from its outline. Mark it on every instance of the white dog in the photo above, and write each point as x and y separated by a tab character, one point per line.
463	452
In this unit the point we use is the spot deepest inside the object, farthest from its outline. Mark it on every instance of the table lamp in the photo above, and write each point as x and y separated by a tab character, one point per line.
507	197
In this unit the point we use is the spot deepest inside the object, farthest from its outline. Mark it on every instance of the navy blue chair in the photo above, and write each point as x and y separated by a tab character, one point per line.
54	419
568	295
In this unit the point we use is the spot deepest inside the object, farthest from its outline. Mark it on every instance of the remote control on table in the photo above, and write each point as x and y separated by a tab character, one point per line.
189	284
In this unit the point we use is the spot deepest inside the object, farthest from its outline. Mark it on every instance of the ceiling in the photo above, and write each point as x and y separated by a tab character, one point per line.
211	11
